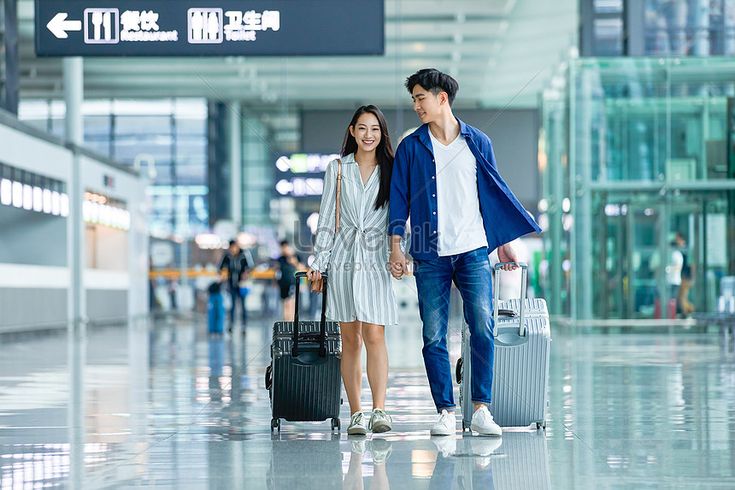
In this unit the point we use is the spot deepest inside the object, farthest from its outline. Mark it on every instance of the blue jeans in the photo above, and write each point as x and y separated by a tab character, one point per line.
237	297
471	273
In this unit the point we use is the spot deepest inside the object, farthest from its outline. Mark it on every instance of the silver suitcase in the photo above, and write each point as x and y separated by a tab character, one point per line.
491	462
521	363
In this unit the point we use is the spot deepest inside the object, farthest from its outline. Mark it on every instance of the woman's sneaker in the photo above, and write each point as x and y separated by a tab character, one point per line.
359	446
381	449
483	423
446	425
357	427
380	421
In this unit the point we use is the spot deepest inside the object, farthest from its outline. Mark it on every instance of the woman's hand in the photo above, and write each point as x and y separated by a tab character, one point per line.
398	263
315	278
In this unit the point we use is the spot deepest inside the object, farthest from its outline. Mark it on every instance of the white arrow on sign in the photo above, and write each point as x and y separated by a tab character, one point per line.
59	25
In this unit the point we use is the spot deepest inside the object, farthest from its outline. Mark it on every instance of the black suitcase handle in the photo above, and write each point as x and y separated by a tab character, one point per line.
323	322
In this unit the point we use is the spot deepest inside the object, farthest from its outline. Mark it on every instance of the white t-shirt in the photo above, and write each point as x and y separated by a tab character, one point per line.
458	205
673	271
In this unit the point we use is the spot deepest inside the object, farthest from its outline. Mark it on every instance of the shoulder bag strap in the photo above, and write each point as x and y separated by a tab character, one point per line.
339	192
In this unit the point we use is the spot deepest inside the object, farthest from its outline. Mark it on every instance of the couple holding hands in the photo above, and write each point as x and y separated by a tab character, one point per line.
445	176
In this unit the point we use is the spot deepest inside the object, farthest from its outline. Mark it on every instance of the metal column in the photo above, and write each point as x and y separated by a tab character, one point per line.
11	58
234	143
73	96
580	165
77	308
556	171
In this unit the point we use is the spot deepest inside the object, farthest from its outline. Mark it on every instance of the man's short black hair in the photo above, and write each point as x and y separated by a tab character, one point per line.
233	242
434	81
284	242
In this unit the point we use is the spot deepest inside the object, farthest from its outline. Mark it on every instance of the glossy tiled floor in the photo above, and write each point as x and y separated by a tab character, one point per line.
165	406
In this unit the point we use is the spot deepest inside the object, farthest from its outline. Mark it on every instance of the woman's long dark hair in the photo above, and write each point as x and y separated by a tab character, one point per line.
383	153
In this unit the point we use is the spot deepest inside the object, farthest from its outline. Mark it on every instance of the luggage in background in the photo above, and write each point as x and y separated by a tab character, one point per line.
215	309
304	376
521	362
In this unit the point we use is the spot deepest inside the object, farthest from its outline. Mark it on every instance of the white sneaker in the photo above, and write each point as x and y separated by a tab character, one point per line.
381	449
446	446
358	446
380	421
446	425
483	423
358	425
484	446
483	449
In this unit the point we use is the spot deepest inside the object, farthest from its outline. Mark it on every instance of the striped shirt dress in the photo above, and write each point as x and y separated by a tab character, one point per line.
359	284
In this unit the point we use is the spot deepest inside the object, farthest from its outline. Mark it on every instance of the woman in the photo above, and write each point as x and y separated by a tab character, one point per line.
360	294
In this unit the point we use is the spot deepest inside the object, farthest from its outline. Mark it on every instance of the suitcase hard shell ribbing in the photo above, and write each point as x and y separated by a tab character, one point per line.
304	378
521	461
521	361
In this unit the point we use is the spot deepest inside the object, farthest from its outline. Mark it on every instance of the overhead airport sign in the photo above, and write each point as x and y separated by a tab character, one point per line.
208	27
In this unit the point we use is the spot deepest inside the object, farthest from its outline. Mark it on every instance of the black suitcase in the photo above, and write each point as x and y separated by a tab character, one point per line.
304	378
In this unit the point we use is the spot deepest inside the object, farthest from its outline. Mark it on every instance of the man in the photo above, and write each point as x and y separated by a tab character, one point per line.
673	279
288	263
233	269
460	207
684	306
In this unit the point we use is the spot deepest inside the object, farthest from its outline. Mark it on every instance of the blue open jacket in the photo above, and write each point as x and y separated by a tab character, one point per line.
413	188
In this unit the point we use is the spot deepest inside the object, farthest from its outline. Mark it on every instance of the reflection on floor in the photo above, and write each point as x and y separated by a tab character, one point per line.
164	405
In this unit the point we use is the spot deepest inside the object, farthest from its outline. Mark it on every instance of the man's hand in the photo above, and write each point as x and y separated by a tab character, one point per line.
507	254
398	265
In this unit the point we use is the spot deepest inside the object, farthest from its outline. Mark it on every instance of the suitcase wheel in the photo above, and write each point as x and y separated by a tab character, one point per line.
336	424
276	424
458	371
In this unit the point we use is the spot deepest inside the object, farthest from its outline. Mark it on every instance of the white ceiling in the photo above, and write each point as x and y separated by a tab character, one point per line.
501	51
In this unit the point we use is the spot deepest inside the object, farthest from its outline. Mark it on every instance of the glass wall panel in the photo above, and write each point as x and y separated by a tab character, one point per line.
689	27
650	181
165	139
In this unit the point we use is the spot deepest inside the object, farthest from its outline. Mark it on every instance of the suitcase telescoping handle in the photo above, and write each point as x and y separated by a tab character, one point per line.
323	323
496	295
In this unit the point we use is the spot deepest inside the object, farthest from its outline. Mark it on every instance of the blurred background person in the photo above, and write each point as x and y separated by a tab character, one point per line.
673	278
234	269
684	306
288	264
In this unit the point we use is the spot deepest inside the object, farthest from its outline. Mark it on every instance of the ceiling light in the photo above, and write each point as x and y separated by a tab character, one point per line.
6	192
27	197
64	205
38	199
17	194
47	201
55	203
